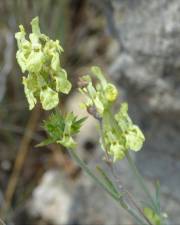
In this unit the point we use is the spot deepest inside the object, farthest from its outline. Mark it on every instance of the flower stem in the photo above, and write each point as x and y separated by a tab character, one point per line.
140	179
116	197
88	171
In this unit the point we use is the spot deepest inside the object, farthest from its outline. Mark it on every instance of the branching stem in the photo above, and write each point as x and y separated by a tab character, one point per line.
117	198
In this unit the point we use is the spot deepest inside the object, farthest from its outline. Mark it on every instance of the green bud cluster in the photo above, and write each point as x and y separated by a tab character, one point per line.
119	134
102	95
39	57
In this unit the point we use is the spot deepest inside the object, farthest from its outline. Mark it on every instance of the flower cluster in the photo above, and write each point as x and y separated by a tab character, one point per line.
39	57
119	134
102	95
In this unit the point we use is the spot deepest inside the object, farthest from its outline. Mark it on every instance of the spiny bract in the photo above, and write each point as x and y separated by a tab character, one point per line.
61	129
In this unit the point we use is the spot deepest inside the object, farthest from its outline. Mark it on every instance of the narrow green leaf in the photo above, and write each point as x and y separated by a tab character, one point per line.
77	125
109	183
45	142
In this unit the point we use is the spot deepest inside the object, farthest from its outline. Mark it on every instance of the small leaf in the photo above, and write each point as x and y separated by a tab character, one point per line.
152	216
77	125
45	143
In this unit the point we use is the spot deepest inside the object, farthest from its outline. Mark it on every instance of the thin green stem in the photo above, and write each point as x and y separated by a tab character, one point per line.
140	179
88	171
132	213
131	197
139	209
103	185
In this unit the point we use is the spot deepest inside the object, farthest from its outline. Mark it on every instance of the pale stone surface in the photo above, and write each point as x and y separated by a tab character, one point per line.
51	199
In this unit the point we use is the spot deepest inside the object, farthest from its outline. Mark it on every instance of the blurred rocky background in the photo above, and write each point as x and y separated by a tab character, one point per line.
137	43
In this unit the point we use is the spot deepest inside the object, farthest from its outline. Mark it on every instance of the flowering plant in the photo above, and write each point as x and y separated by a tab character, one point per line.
39	57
